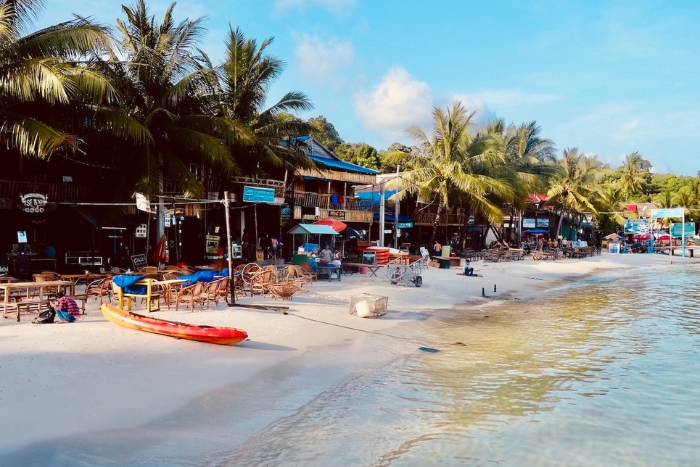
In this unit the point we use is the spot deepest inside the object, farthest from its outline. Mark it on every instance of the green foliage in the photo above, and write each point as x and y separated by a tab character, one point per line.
361	154
325	132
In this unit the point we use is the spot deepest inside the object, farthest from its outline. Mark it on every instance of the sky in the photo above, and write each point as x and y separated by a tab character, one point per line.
607	77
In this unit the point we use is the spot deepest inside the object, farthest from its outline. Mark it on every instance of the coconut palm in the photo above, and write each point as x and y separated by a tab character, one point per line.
47	79
239	87
164	85
571	191
450	165
634	172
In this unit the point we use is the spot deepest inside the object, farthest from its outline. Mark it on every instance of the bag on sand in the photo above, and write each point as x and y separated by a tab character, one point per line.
45	317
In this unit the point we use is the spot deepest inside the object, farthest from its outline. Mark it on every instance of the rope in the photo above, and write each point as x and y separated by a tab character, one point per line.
424	349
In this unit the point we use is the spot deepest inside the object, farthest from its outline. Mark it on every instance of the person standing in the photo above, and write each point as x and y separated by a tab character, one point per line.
437	249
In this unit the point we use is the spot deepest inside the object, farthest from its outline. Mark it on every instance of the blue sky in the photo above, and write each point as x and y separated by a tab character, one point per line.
607	77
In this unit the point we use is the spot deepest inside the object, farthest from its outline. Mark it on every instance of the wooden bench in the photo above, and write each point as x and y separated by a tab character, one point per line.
150	297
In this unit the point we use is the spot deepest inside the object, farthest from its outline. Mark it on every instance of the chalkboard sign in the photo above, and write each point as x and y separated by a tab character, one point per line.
24	267
139	261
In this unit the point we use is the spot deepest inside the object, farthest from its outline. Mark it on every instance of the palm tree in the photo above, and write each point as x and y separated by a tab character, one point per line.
571	191
164	85
239	87
48	79
447	166
633	178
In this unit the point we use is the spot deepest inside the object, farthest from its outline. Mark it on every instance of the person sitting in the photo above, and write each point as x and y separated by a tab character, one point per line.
65	308
468	270
337	257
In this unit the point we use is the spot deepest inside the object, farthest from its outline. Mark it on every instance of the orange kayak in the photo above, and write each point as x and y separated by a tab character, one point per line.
195	332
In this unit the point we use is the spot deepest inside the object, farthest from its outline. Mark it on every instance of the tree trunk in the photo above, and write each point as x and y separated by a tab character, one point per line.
440	205
561	219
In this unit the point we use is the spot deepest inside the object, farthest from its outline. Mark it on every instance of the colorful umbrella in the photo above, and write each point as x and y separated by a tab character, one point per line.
334	224
664	237
612	236
644	236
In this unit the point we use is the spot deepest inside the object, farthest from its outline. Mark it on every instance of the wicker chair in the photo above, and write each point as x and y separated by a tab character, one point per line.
246	273
260	281
283	290
210	292
98	289
190	295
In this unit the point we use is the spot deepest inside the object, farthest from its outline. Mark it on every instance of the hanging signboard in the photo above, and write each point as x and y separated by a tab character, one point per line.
142	202
141	231
253	194
543	222
33	203
678	230
667	212
528	223
405	225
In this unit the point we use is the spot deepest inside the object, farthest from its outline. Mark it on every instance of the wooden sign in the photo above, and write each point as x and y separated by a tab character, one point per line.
340	215
139	261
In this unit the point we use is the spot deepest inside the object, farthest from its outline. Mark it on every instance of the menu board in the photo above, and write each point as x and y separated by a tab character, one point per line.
139	261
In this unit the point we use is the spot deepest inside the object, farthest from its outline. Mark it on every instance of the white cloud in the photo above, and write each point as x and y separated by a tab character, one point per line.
319	58
337	7
397	103
475	104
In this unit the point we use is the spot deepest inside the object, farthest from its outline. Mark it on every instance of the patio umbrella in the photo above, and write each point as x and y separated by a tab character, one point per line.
159	254
664	237
644	236
612	236
335	224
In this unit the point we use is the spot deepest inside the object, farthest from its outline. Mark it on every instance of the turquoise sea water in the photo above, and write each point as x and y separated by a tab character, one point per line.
605	372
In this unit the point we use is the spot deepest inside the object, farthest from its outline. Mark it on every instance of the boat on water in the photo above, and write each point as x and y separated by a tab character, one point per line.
195	332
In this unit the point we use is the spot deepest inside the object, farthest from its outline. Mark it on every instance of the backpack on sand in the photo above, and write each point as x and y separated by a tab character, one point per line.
45	317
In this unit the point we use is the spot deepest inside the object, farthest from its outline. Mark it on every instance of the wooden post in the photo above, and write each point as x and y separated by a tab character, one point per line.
227	214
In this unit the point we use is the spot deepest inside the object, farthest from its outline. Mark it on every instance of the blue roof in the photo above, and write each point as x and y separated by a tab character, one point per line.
340	164
390	217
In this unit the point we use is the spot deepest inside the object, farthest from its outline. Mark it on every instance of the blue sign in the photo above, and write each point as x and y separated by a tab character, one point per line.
258	195
405	225
677	230
667	212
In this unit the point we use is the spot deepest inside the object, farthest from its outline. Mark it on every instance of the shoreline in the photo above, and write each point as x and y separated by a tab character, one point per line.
121	385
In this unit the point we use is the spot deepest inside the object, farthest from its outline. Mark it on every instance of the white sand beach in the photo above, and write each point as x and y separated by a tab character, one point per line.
115	393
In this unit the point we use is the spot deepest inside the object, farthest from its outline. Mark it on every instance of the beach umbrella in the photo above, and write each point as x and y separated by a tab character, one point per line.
664	237
334	224
644	236
612	236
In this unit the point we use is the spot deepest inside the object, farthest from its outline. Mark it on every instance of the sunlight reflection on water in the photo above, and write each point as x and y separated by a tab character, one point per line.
605	372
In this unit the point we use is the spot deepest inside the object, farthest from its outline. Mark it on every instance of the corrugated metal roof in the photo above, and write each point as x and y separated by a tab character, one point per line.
339	164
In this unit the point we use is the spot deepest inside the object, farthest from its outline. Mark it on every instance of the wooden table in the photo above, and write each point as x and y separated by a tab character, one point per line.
373	268
23	290
452	260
